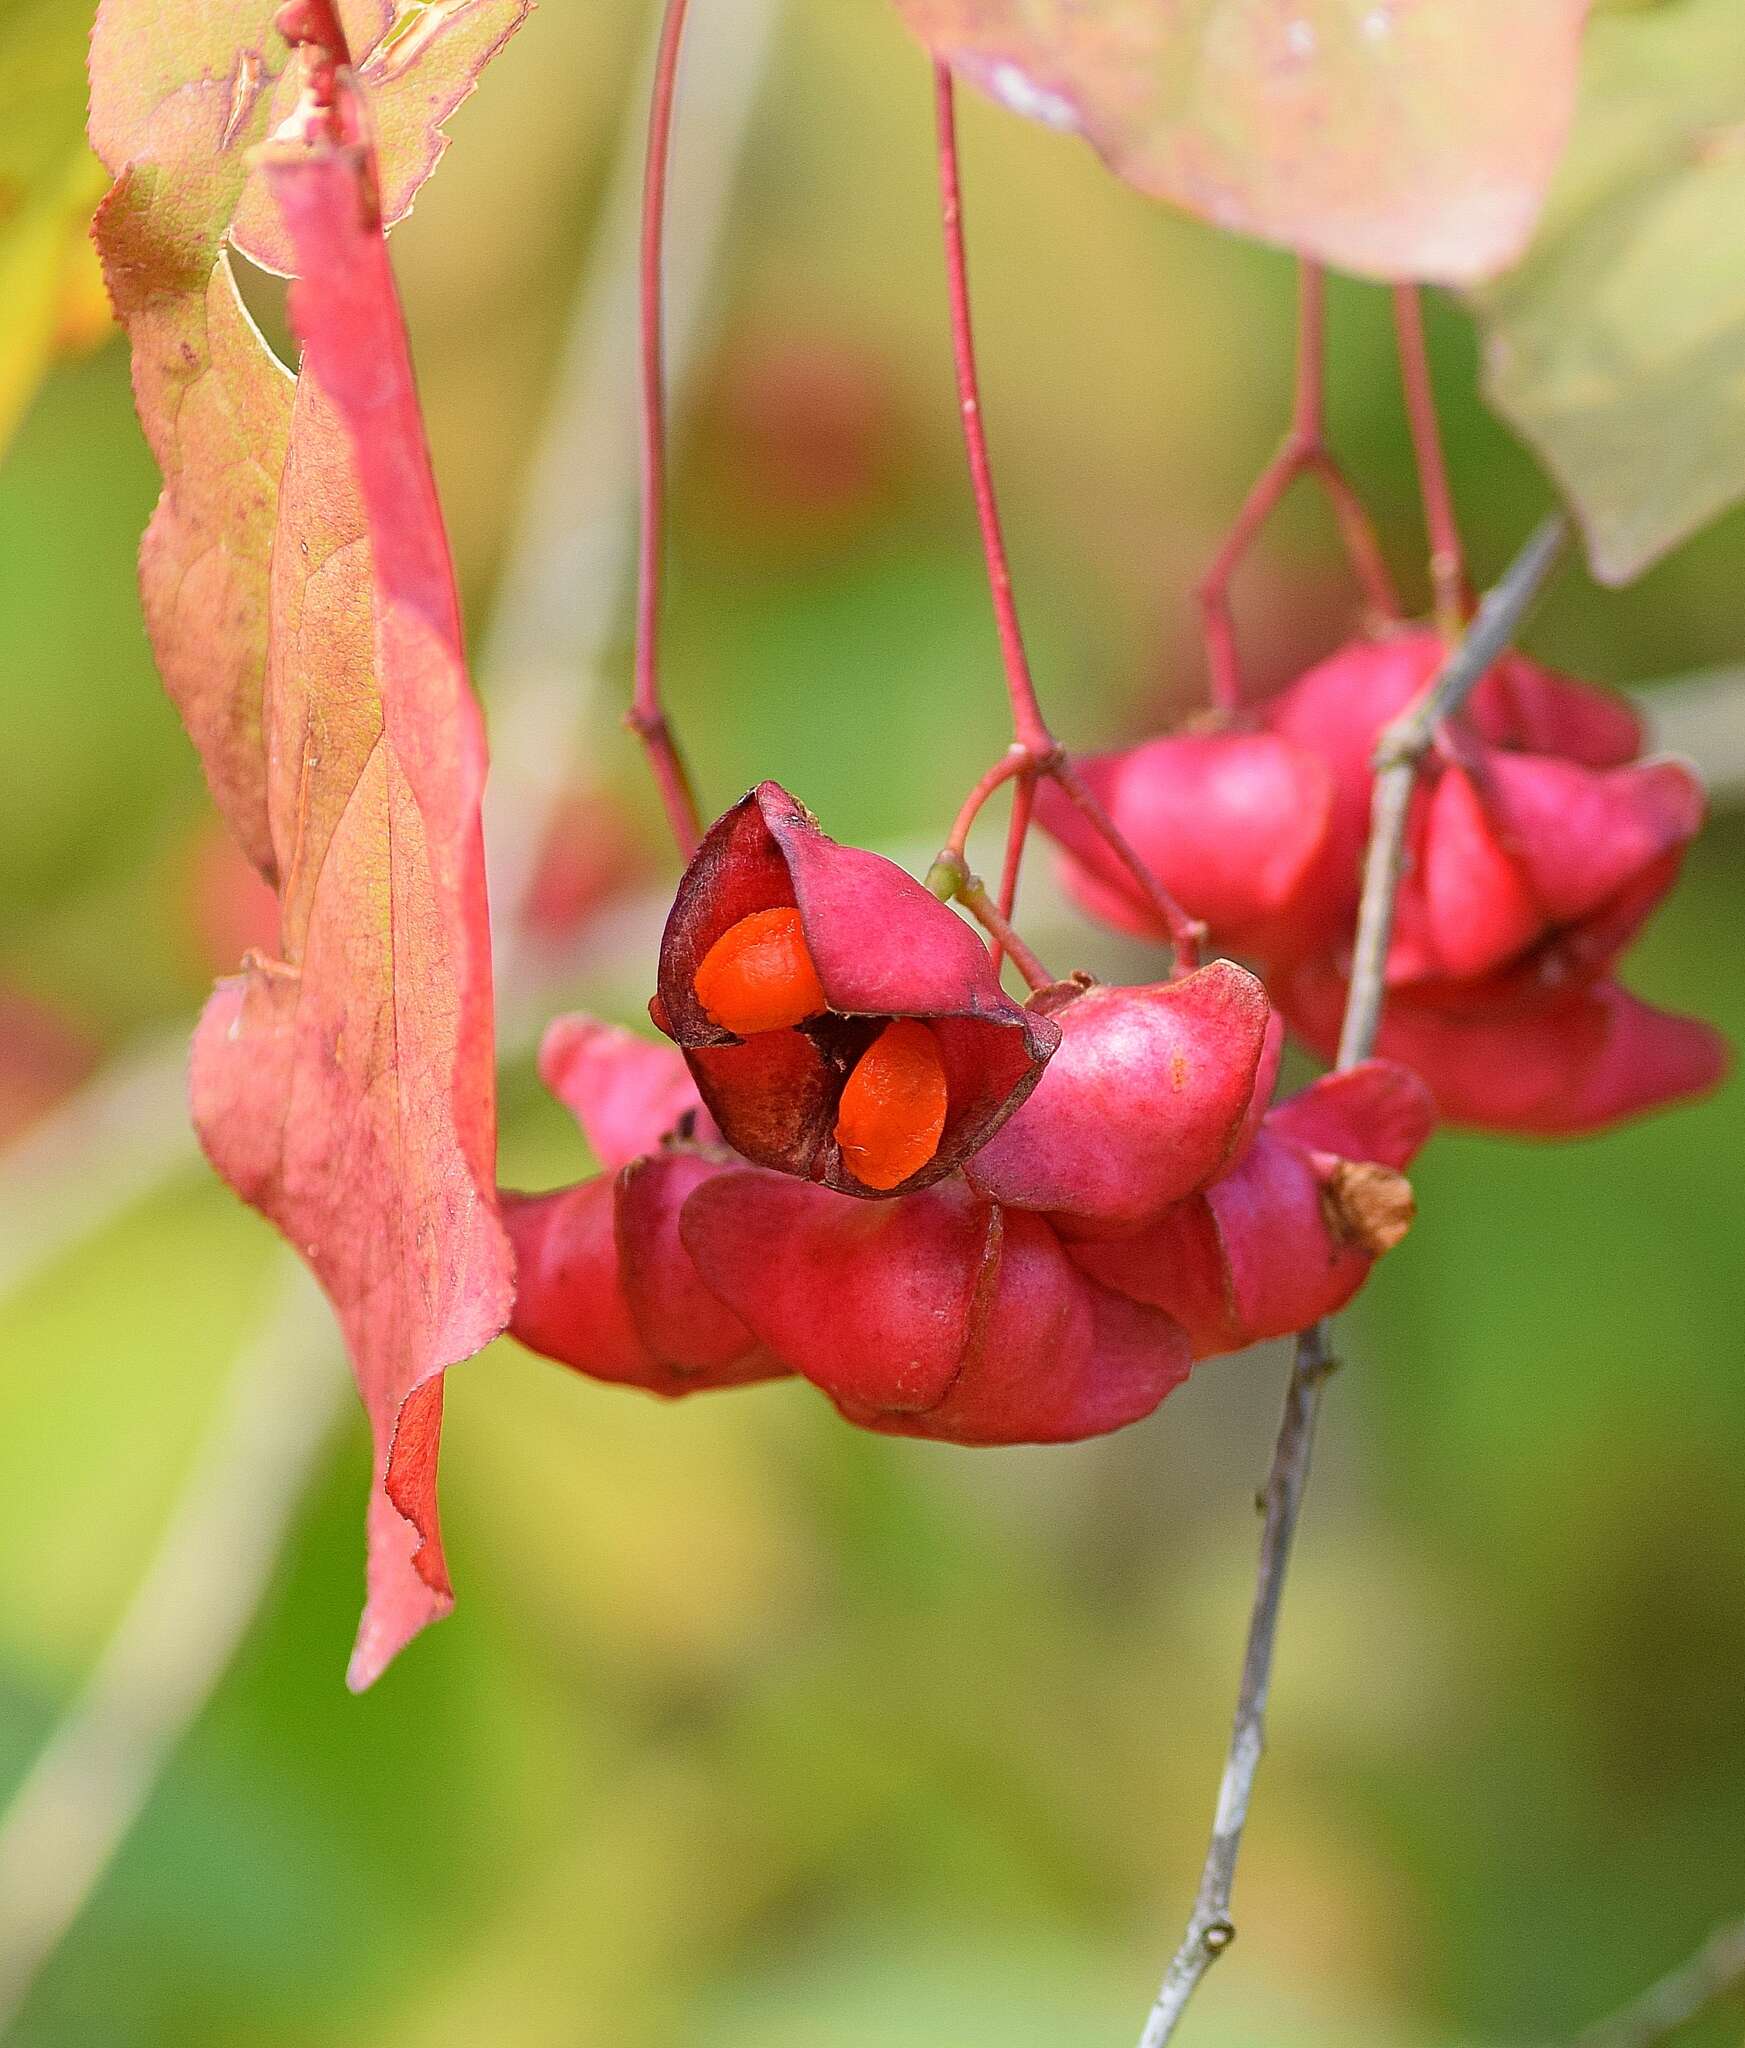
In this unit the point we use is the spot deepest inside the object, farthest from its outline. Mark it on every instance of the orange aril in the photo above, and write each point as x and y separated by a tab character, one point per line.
892	1110
758	975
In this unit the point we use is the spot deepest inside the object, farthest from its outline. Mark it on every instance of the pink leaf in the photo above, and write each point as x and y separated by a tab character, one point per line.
216	409
416	65
348	1091
1398	138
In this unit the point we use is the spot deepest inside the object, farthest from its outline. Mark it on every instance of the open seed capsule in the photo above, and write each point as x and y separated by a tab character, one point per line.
841	1023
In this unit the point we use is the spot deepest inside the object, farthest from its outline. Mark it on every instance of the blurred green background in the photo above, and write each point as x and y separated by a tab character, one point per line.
751	1731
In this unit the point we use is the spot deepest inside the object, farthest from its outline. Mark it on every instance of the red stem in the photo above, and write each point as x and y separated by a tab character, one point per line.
1028	723
314	24
1017	760
313	29
1017	831
646	717
1448	585
981	906
1303	451
1034	751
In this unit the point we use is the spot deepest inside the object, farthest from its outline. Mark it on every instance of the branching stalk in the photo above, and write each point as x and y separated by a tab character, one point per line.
1399	755
951	881
1304	451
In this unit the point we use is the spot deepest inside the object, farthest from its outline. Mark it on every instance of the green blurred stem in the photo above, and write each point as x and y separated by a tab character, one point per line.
1398	758
1713	1975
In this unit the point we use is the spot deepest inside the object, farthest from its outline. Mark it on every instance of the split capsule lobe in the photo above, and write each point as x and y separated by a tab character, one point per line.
758	976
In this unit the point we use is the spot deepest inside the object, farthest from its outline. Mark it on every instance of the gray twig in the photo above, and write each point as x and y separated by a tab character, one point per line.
1402	747
1715	1973
1210	1929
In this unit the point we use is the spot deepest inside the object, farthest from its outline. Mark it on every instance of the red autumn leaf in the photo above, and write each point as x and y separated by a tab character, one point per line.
179	97
1398	138
346	1087
148	62
415	64
216	409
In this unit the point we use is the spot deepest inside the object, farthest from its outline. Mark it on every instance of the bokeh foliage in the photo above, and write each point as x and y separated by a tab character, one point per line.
750	1730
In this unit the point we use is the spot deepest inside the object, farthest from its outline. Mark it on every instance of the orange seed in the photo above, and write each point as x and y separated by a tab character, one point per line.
758	975
892	1111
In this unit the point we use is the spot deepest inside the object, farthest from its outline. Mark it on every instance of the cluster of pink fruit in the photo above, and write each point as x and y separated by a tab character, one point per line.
963	1217
970	1219
1537	846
